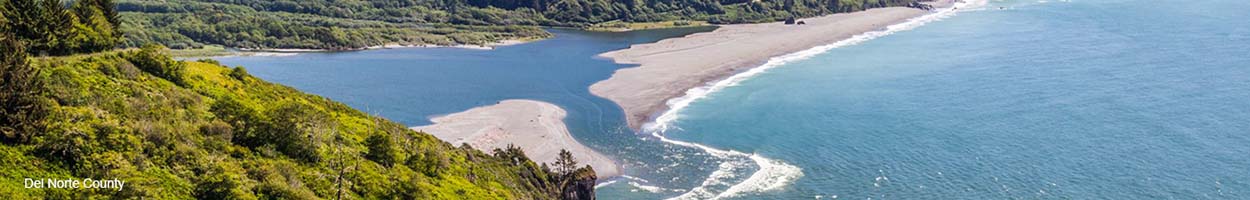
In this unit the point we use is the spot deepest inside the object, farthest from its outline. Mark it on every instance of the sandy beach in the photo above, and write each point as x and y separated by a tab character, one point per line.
537	127
670	67
487	46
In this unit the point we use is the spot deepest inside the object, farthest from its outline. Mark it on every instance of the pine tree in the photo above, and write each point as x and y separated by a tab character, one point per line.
94	31
565	164
24	19
57	25
106	8
4	19
21	107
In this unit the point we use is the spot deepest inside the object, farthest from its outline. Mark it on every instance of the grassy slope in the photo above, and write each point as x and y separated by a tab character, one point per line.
112	120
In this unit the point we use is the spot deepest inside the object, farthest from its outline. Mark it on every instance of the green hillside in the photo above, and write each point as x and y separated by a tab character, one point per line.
223	132
195	129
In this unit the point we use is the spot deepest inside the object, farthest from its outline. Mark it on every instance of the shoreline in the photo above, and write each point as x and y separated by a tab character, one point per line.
536	127
487	46
671	68
772	174
232	52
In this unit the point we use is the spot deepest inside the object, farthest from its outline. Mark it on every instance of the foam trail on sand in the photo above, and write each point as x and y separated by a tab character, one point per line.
772	174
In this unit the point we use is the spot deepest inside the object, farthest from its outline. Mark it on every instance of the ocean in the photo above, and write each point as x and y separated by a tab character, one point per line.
1110	99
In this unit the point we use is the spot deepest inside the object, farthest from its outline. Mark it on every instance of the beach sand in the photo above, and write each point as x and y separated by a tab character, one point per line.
670	67
537	127
293	51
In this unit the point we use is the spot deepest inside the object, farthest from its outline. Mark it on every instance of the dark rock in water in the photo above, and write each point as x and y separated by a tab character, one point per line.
790	20
918	5
802	23
580	186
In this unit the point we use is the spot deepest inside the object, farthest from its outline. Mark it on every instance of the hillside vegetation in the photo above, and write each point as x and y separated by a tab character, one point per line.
337	24
195	129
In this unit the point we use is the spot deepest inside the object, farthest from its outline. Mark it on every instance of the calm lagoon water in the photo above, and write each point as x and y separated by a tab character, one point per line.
1109	99
412	85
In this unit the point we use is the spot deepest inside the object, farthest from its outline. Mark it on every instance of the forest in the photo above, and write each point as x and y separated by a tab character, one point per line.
337	24
171	129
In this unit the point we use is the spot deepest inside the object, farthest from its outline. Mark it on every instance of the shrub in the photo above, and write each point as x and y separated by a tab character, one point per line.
154	60
292	131
244	121
209	61
218	129
381	149
239	73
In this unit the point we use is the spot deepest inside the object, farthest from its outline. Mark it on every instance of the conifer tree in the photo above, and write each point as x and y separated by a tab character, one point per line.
21	109
565	164
56	24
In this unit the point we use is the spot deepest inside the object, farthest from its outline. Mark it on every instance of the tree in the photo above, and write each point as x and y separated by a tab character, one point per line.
21	103
381	149
98	25
47	27
57	26
95	30
105	8
565	164
292	130
512	153
4	19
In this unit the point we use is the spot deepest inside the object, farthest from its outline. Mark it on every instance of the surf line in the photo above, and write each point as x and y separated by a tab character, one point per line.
772	174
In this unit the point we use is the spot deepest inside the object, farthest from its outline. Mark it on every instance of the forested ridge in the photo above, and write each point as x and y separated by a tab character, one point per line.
349	24
197	130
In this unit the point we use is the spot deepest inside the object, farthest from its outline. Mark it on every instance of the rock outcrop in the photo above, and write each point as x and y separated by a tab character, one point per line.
580	186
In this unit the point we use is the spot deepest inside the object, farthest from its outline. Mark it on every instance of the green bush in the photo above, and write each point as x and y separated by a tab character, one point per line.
381	149
154	60
294	130
239	73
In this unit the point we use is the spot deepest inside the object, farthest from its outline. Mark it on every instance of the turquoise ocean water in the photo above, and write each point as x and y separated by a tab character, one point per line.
1107	99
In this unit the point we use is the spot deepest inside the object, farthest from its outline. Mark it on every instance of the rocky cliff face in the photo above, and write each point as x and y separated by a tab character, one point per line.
580	186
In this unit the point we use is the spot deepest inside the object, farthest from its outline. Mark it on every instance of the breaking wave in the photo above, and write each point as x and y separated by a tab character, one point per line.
771	174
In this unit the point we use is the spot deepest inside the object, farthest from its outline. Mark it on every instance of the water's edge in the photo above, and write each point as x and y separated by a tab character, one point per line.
772	174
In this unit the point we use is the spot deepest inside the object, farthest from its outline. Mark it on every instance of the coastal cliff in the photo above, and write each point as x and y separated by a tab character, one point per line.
581	185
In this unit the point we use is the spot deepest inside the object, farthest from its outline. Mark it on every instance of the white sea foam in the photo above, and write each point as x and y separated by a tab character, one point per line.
652	189
772	174
597	186
648	188
634	178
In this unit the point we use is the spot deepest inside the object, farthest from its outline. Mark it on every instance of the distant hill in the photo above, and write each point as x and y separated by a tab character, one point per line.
326	24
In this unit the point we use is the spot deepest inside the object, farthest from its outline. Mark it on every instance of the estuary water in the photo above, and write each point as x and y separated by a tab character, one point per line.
1109	99
412	85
